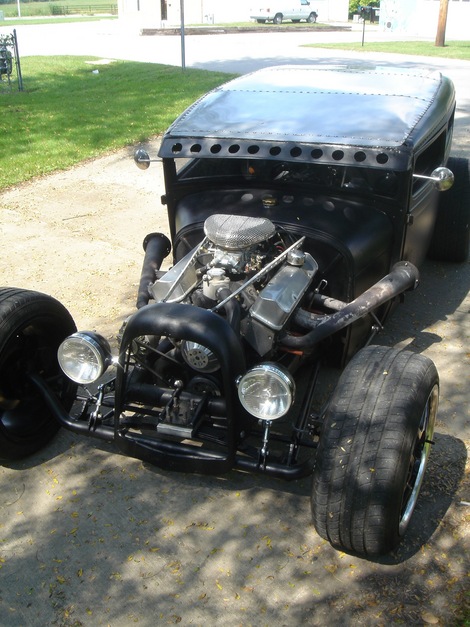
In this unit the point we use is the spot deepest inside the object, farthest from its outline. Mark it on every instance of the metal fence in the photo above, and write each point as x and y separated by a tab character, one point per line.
86	9
10	67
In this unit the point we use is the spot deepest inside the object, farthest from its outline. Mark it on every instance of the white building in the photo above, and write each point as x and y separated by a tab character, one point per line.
161	13
419	18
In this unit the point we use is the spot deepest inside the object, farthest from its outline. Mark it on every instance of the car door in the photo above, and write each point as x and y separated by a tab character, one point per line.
304	9
423	200
293	10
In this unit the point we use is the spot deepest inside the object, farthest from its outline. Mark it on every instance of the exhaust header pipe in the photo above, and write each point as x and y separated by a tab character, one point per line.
157	246
404	276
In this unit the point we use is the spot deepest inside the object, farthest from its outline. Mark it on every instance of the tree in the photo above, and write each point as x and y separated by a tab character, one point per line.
355	4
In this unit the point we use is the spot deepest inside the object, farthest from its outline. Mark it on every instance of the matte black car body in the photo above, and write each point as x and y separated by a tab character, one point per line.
350	139
378	124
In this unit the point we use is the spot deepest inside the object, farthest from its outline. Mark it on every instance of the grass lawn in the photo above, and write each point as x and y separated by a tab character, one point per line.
68	114
452	49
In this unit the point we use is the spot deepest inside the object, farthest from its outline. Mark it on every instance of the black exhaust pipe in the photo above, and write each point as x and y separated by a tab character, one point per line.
404	276
157	246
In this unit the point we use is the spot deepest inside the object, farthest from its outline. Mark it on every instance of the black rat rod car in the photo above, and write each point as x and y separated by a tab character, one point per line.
300	201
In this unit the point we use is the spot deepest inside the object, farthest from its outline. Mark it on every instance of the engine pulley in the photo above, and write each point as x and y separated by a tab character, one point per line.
199	357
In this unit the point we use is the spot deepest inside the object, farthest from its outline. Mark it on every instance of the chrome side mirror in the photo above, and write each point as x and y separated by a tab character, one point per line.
443	178
142	159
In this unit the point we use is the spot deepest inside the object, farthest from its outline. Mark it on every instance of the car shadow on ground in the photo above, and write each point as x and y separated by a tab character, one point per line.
442	484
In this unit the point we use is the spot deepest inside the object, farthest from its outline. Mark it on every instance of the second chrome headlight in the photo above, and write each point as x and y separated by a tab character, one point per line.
267	391
84	356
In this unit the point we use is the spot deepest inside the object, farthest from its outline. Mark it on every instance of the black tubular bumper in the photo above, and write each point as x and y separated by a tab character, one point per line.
82	427
191	323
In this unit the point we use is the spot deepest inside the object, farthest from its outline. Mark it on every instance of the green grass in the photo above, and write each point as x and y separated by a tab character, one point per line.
452	49
68	114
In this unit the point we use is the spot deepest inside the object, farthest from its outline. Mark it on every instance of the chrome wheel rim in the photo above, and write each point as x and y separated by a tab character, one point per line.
419	458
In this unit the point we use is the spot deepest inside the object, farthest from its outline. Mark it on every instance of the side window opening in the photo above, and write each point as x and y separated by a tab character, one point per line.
430	158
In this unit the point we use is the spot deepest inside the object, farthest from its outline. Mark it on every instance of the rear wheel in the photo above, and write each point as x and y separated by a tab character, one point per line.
277	18
451	238
373	450
32	326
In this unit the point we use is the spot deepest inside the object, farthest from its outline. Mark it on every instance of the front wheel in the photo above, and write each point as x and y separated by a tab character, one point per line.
373	450
277	18
312	18
32	326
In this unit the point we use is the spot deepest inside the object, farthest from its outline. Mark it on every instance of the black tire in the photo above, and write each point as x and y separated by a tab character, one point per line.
451	238
261	21
277	18
32	326
312	18
373	450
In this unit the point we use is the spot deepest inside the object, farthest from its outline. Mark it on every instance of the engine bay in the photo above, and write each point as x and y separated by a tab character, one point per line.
247	268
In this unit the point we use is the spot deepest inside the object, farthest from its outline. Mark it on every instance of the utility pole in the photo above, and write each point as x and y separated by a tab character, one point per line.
441	25
183	47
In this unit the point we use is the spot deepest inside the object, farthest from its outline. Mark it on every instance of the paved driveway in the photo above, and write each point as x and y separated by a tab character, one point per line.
88	537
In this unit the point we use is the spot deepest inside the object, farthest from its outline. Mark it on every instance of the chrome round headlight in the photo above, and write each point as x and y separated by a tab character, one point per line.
267	391
84	356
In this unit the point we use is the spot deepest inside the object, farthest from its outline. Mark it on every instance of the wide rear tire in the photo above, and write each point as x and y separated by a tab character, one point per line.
373	450
32	326
451	238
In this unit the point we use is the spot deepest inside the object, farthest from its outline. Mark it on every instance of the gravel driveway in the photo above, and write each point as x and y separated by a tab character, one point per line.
88	537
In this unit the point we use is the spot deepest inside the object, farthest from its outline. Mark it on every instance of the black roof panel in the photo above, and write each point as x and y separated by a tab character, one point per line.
289	111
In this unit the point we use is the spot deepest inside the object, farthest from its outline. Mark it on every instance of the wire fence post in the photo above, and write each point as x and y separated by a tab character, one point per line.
9	54
17	61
